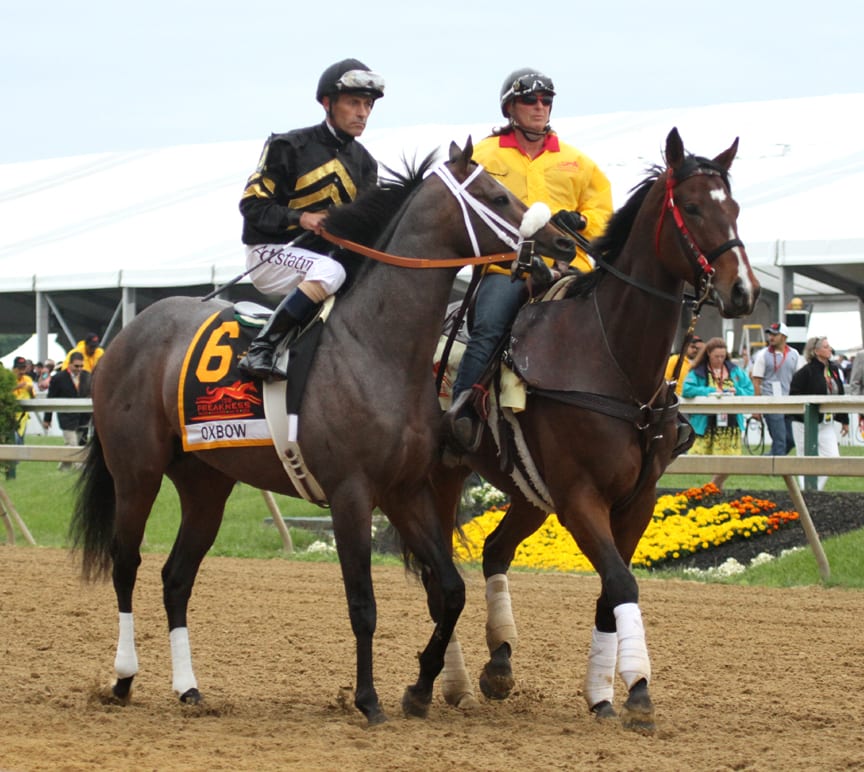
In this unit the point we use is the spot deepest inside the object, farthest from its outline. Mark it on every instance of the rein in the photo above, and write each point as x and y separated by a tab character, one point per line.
415	262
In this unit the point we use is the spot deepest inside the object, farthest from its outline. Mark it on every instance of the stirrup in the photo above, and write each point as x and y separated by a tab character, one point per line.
463	427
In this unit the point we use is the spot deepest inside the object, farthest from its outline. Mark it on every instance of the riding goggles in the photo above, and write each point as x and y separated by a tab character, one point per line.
528	84
361	80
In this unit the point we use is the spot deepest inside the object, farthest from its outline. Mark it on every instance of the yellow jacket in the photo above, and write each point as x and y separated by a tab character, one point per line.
561	177
89	361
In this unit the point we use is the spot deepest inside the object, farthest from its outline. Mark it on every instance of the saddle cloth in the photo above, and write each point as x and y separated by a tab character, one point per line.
219	405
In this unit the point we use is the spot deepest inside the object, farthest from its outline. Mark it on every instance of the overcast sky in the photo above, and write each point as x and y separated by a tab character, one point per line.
104	75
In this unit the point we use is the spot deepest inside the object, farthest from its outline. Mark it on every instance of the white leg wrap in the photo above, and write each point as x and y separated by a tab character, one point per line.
126	660
600	678
181	661
455	682
500	625
633	662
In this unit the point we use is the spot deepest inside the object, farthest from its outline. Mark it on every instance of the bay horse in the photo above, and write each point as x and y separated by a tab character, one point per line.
368	429
599	421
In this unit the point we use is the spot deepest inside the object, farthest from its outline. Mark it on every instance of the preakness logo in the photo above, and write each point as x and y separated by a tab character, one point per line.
227	402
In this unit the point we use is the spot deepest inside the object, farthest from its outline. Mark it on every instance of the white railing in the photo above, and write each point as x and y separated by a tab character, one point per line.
787	467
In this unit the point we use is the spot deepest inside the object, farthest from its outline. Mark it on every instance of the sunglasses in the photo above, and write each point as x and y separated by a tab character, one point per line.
531	99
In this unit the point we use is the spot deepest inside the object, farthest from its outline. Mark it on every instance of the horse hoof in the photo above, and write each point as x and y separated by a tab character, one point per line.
376	717
496	682
415	704
466	702
604	710
638	712
122	689
191	697
638	722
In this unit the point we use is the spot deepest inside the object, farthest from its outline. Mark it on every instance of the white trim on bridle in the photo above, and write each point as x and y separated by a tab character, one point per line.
497	224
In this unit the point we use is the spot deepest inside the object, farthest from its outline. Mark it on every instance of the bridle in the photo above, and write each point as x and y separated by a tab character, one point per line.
509	234
702	264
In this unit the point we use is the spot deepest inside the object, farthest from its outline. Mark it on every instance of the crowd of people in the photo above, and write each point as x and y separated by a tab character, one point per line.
776	369
48	380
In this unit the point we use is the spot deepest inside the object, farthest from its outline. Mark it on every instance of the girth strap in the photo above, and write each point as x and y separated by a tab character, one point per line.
640	416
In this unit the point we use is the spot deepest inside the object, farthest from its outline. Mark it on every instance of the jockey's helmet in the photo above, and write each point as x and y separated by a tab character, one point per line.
524	81
350	76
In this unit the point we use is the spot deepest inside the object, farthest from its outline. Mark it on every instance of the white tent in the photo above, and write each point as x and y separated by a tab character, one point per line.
168	217
29	348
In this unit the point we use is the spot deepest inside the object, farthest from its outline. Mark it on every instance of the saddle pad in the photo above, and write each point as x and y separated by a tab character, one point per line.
219	405
513	392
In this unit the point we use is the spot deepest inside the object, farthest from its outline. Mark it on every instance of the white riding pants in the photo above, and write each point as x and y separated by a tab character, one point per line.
279	268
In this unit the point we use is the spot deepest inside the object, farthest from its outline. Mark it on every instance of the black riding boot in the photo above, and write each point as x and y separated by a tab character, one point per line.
295	310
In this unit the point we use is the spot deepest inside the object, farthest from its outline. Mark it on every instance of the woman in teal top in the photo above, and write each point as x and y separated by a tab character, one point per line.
713	373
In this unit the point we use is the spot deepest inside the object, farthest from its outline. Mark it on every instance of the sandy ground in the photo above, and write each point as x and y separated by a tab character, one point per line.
744	679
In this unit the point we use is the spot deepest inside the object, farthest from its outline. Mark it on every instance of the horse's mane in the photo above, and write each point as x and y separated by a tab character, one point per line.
373	214
365	218
609	244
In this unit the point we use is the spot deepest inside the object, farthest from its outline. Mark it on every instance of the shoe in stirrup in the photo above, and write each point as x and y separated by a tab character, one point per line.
463	429
295	310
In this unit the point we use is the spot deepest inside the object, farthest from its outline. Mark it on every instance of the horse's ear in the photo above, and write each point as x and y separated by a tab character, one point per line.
726	158
461	157
455	152
469	149
674	149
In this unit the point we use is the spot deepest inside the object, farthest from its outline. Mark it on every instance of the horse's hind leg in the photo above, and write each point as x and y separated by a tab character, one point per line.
134	497
203	492
417	521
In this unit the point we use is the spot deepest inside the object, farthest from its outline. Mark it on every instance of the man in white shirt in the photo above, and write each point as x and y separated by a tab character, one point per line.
773	368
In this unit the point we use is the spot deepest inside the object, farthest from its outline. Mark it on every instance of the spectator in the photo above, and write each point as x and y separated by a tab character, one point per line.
300	175
856	384
772	373
694	348
856	377
70	383
44	381
24	389
529	159
819	376
91	350
714	374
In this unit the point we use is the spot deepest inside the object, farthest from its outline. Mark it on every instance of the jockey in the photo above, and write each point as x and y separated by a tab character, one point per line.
299	176
528	158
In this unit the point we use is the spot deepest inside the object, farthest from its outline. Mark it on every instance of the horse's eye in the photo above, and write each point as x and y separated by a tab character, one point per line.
500	200
691	209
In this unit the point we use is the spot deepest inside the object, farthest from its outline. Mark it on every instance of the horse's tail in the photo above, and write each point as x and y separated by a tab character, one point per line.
92	526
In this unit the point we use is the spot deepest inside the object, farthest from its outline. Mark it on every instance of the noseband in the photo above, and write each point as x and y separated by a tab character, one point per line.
703	270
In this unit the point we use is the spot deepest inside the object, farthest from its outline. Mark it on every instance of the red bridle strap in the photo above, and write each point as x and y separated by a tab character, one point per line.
669	203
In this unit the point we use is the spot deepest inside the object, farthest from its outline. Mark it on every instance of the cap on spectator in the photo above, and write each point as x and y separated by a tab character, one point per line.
696	339
778	328
19	362
91	337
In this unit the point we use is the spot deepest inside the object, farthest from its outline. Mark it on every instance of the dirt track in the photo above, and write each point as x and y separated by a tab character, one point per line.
743	678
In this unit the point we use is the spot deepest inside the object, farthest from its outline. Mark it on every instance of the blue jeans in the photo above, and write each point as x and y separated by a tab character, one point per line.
498	301
780	429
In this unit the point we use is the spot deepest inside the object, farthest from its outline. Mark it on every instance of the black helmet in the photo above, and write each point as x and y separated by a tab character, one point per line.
349	76
524	81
